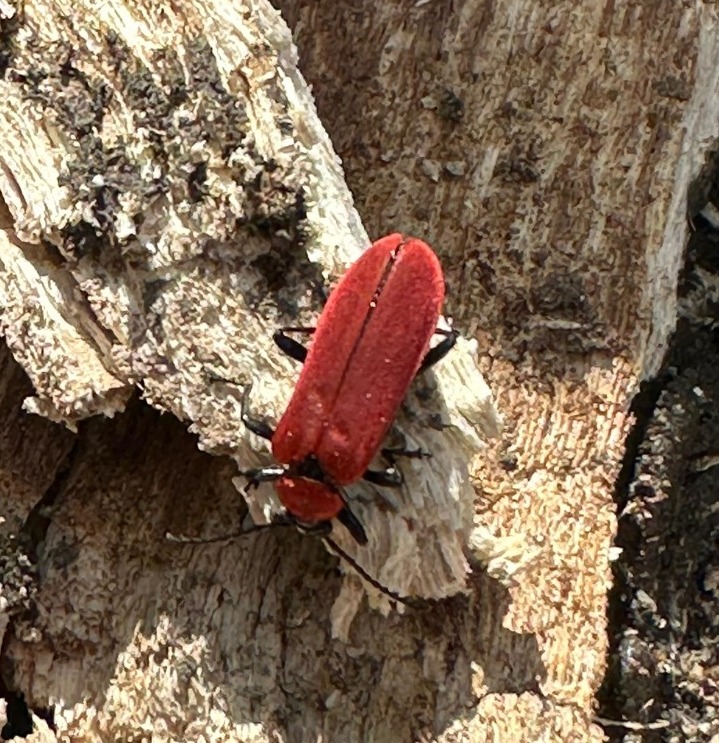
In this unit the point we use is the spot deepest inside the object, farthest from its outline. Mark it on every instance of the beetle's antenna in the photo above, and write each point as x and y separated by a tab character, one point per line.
277	520
365	575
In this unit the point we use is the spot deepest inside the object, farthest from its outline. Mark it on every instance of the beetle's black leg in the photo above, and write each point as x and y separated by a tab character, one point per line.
387	478
264	474
290	346
391	477
259	427
390	453
319	529
352	524
440	350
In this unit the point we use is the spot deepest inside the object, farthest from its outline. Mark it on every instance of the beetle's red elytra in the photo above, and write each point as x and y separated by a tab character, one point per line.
371	339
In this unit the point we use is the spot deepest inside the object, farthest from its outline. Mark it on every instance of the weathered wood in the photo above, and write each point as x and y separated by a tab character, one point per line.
547	154
544	152
166	182
188	182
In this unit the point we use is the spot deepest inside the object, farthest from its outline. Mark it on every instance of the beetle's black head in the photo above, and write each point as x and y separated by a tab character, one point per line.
310	468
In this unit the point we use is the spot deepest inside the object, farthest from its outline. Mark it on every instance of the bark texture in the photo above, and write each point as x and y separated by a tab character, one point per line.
184	179
549	153
166	163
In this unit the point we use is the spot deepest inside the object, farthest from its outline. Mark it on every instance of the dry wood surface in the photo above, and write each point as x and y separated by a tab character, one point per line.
168	195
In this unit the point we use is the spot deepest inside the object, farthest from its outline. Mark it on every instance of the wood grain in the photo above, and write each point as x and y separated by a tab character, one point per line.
170	196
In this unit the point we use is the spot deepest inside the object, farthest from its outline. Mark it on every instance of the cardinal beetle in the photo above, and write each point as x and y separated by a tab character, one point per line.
371	339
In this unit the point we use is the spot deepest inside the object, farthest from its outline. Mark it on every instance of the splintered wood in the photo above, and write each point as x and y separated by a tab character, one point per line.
169	197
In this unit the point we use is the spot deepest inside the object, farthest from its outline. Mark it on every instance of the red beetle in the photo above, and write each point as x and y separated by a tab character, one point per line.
372	338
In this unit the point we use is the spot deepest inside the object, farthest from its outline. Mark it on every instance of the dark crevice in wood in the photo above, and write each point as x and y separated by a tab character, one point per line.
643	406
662	608
39	518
